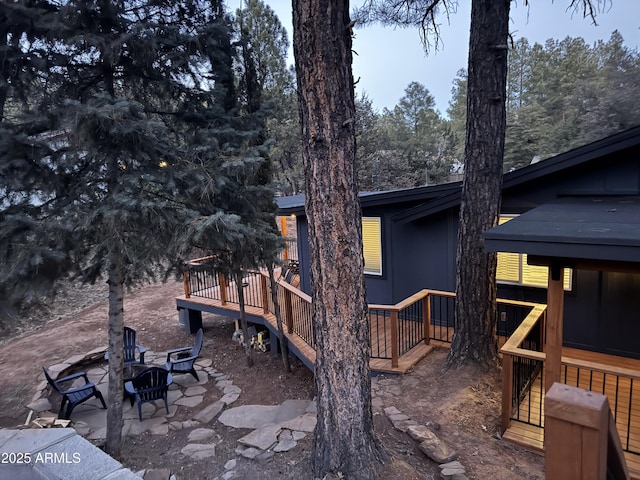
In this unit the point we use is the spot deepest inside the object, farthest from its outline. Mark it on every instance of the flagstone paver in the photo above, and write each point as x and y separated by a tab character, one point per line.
200	434
199	451
229	398
190	401
209	412
275	428
192	391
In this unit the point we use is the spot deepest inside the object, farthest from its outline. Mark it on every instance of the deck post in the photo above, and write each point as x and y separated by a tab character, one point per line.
426	319
576	434
283	232
186	280
507	391
555	313
394	338
265	293
224	283
288	308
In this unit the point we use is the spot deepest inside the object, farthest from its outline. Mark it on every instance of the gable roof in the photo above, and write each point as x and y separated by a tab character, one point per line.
294	204
437	198
578	156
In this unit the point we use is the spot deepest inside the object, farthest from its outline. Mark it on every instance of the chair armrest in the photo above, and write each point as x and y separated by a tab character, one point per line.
176	350
141	350
72	377
128	387
184	360
86	386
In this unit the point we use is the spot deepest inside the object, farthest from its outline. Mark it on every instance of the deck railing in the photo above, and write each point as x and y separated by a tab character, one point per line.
290	250
523	382
396	329
522	365
620	385
425	316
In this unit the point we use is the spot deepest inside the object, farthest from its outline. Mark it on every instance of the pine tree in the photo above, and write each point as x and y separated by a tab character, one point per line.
137	109
343	443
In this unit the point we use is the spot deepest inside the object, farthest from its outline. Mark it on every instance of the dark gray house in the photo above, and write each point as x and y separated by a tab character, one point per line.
410	241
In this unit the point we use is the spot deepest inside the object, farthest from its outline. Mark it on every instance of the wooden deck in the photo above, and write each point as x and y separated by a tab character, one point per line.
623	394
298	346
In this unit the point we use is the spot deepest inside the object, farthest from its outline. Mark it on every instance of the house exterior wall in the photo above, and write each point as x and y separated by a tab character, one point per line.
600	310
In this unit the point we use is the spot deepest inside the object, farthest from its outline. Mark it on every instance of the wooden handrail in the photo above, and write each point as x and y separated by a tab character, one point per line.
294	290
521	333
195	261
524	353
601	367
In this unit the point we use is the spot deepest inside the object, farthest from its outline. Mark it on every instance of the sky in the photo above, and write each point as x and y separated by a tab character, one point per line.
388	59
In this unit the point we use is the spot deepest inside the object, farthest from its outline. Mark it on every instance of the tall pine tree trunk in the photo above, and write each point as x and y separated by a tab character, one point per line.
475	314
243	318
116	351
343	440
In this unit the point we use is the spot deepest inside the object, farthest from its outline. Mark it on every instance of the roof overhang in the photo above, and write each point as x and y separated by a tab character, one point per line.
581	232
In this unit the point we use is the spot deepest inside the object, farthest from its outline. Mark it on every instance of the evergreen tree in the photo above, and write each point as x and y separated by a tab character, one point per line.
138	118
29	260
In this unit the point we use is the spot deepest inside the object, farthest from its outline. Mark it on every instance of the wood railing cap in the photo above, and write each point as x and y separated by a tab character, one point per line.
575	405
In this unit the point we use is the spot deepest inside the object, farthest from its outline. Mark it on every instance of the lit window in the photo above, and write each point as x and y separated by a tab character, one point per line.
372	245
513	268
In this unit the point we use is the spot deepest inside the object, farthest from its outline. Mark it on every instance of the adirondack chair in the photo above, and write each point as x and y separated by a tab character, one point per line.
185	357
73	396
130	347
150	385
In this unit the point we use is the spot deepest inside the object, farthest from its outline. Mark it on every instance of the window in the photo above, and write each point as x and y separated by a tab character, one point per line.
372	245
513	268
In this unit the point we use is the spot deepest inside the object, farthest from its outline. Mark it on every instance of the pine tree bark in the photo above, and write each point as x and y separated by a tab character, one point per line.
343	441
116	349
475	313
237	276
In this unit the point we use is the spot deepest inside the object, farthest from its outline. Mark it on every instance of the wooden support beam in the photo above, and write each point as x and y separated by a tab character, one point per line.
288	310
265	293
507	391
426	320
394	338
187	283
224	283
555	317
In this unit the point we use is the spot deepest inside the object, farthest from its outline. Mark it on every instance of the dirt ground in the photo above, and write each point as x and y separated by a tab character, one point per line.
464	403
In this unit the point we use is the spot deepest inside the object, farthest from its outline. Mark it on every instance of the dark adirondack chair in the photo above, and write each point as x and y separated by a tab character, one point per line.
73	396
150	385
185	357
130	347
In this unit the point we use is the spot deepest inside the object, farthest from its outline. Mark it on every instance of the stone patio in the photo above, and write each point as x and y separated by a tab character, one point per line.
275	428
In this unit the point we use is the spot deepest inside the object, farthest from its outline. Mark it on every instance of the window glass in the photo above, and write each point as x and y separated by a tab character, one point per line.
372	245
513	268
